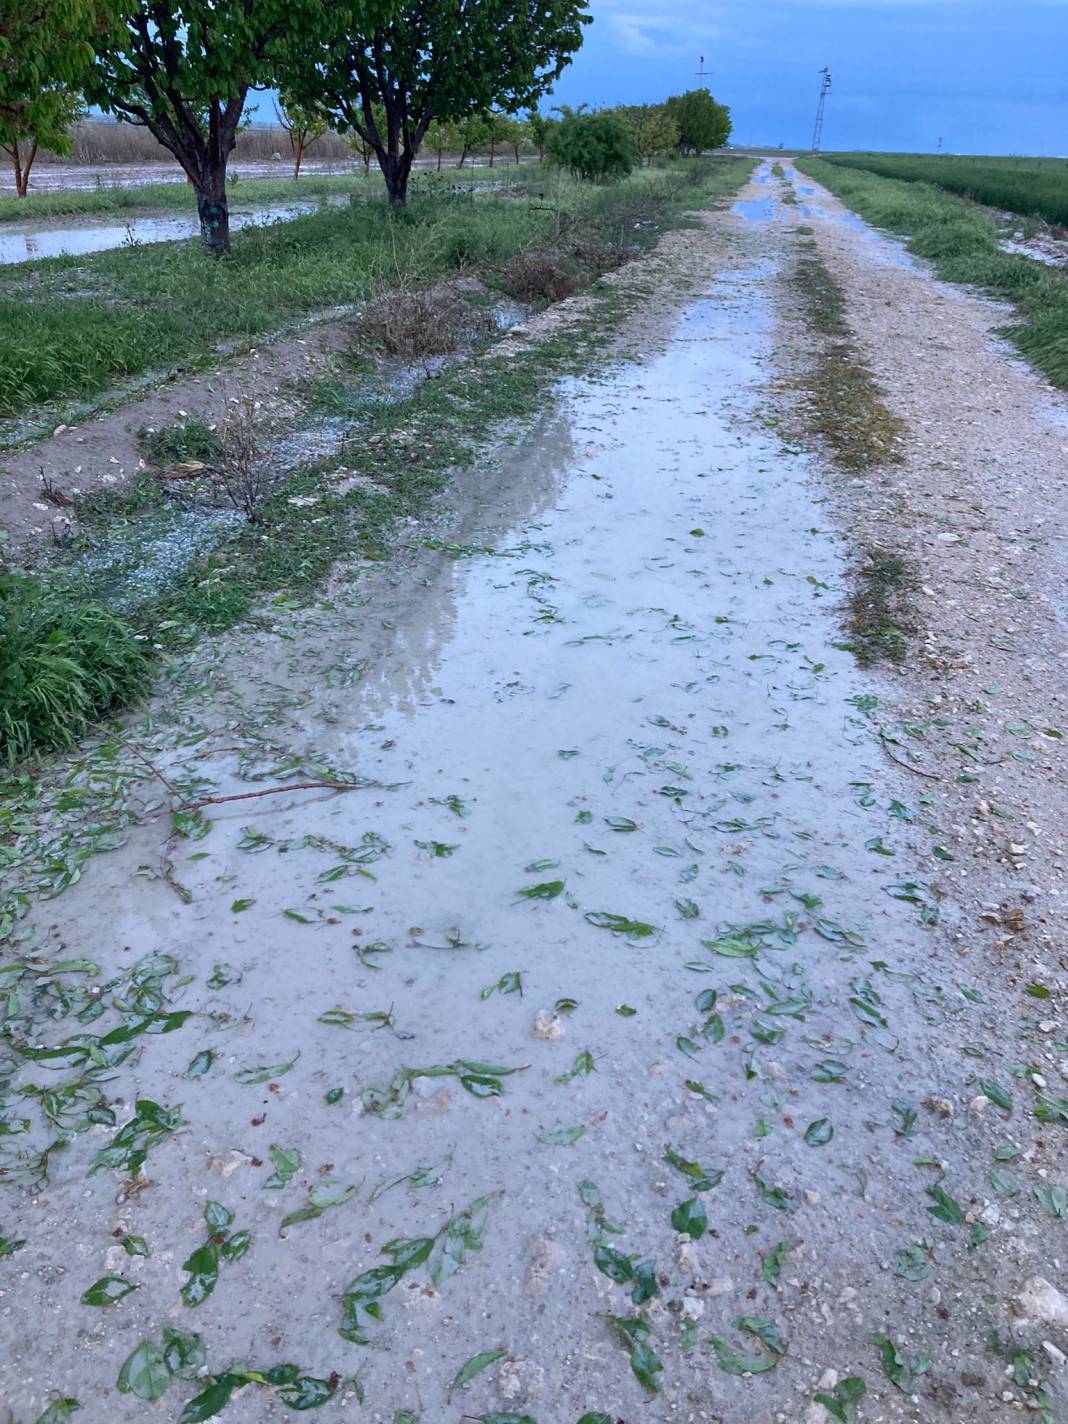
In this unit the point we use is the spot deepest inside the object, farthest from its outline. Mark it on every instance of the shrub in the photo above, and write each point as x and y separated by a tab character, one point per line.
62	666
594	147
413	324
537	277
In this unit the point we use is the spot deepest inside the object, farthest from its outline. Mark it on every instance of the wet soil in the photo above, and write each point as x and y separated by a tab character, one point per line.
633	942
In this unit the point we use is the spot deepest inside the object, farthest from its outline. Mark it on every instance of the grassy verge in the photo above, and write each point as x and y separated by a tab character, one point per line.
1033	187
75	325
962	245
403	456
841	403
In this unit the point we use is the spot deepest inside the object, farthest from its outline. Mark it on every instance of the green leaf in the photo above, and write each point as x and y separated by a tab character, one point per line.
474	1366
910	1263
286	1165
646	1365
732	1362
135	1246
690	1217
1054	1199
945	1207
766	1331
203	1268
819	1133
107	1290
619	924
200	1064
305	1392
322	1197
210	1401
774	1196
546	890
562	1136
771	1264
996	1093
895	1366
841	1403
58	1412
702	1180
263	1072
239	905
612	1263
144	1372
217	1217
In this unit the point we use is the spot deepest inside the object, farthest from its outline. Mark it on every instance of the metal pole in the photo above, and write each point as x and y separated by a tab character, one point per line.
825	86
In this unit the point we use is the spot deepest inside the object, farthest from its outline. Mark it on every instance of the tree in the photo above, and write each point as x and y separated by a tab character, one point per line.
43	122
518	134
183	69
594	147
539	127
45	50
498	131
651	126
473	134
439	59
362	150
702	122
442	137
304	127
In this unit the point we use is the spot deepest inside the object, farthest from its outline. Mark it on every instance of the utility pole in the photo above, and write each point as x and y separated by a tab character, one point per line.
701	73
825	88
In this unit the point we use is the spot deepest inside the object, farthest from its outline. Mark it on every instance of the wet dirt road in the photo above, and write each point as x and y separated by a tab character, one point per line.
621	989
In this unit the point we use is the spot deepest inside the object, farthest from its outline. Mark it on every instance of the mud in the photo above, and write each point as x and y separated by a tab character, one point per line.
613	677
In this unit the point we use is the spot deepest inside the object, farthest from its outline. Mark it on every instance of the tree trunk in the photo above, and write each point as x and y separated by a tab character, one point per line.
440	156
463	156
493	153
516	150
213	209
396	169
298	154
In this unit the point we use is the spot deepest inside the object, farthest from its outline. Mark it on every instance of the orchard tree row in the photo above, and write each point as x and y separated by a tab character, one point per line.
383	70
390	75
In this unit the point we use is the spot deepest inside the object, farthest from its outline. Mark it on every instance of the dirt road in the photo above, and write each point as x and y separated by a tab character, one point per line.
637	979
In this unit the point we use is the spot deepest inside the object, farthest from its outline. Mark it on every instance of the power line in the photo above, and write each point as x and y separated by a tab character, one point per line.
701	73
825	89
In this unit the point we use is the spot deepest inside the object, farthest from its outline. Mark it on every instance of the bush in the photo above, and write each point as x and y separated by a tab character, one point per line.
62	666
413	324
593	147
537	277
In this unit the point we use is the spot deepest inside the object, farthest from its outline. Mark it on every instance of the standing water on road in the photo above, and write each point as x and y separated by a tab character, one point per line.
564	1064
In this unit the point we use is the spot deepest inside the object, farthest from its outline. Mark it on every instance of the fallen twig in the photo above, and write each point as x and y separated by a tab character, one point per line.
275	790
931	775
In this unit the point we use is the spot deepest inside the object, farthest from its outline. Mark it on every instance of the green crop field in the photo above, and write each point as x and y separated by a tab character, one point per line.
1033	187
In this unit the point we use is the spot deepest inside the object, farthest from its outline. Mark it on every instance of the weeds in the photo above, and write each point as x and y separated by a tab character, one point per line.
411	324
244	470
191	439
534	277
62	666
841	400
881	611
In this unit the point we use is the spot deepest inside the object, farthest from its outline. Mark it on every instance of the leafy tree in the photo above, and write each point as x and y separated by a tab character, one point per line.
539	128
701	121
594	147
304	127
518	134
439	59
442	137
498	131
473	134
44	122
45	51
183	69
651	126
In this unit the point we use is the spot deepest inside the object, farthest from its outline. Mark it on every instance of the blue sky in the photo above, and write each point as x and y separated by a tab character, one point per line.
985	76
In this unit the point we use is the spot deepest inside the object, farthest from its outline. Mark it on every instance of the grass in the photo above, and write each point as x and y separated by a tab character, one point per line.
76	325
243	192
63	664
841	400
406	451
842	404
961	242
1033	187
190	439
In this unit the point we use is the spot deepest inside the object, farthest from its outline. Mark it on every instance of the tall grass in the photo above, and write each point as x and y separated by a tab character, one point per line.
73	325
962	244
62	666
1033	187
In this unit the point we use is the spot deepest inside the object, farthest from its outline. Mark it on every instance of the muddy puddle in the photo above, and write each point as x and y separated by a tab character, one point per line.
611	992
